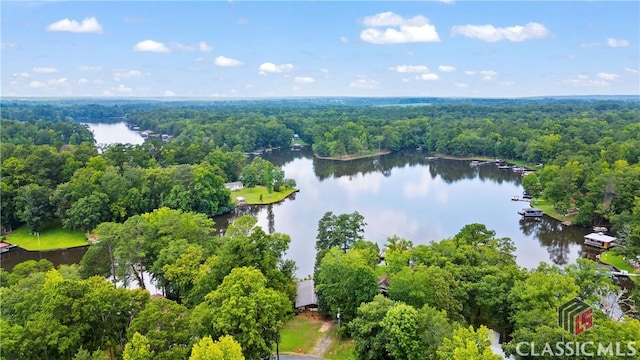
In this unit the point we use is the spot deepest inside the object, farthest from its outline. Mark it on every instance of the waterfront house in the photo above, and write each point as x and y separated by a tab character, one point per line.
599	240
241	200
233	186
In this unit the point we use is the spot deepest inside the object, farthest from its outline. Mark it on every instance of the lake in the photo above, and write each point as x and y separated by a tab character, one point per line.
106	134
402	194
407	195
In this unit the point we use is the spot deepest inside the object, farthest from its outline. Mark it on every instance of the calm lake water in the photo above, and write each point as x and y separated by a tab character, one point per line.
402	194
114	133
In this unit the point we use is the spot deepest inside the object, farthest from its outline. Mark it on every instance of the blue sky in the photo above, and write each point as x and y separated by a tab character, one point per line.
240	49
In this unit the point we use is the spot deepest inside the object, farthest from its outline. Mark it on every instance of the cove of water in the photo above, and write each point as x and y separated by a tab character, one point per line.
402	194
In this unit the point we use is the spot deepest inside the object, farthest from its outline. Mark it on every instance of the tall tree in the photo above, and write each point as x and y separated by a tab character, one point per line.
226	348
243	306
344	281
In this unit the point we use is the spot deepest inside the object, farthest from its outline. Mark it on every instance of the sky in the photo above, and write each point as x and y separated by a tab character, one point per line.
257	49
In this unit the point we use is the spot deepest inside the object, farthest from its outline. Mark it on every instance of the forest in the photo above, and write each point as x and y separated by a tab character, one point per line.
151	206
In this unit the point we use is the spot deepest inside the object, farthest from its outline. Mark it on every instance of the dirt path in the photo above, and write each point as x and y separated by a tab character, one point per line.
323	344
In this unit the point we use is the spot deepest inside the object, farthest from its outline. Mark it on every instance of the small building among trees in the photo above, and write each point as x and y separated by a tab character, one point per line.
306	299
233	186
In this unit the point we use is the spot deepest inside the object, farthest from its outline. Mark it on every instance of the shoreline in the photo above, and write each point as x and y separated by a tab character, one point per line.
352	157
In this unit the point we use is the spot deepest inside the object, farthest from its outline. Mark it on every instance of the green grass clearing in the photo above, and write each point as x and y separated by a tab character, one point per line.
299	142
549	210
345	349
51	237
299	335
252	195
618	261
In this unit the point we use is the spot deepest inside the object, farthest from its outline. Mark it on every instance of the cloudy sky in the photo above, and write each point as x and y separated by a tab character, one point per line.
244	49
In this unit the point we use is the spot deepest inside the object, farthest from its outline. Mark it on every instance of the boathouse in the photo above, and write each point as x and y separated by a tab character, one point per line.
599	240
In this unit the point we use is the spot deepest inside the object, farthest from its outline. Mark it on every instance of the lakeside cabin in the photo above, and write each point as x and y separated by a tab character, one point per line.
600	240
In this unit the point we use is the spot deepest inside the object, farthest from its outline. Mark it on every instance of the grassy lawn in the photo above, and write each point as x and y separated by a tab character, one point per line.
299	142
300	333
610	258
343	350
52	237
252	195
549	210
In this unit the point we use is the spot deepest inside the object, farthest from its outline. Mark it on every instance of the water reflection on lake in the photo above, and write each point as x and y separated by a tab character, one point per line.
106	134
407	195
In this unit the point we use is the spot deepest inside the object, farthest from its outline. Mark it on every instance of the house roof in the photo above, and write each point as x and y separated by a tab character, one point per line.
600	237
306	294
235	183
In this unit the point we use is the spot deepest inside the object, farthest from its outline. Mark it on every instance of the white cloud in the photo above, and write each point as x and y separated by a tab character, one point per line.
169	93
507	83
88	25
325	71
617	42
410	69
304	79
37	84
90	68
151	46
607	76
488	75
633	71
460	85
469	72
204	47
123	89
125	74
584	81
224	61
201	46
59	81
83	81
446	68
273	68
428	77
398	29
491	33
344	39
364	84
44	70
446	1
406	34
388	18
22	74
